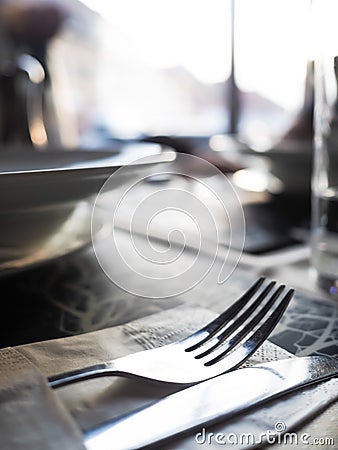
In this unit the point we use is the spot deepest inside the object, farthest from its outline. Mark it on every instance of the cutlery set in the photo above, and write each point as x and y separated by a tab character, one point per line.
203	363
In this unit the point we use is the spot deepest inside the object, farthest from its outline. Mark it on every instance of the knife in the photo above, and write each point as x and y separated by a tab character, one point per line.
210	402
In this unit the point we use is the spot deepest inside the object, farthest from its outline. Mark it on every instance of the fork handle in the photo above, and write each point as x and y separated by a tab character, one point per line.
86	373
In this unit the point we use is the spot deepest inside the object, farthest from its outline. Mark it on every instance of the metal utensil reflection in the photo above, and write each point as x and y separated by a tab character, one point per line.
34	87
26	111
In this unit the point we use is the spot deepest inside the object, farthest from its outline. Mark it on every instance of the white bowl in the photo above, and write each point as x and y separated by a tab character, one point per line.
39	191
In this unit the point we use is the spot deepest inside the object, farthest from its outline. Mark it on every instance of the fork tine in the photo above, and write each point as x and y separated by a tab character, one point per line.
213	327
248	347
230	328
240	335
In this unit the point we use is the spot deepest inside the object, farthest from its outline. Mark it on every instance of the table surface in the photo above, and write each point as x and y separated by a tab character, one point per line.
72	295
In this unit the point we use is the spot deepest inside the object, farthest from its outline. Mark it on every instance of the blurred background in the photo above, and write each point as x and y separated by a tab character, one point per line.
128	69
231	81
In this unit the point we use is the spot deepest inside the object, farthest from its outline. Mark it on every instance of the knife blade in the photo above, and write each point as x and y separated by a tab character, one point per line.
210	402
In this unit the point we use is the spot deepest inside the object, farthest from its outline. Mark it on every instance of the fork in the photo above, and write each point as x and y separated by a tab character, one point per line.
220	346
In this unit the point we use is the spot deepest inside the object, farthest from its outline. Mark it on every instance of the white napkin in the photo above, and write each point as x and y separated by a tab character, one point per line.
94	401
31	415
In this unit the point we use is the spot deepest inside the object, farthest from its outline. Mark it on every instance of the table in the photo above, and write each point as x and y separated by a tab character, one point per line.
72	295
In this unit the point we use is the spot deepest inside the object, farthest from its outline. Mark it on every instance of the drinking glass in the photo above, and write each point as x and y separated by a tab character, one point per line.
324	233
